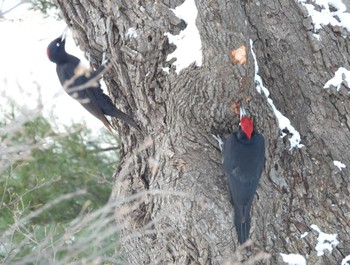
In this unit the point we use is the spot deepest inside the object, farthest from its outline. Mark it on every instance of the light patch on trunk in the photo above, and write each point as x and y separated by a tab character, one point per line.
340	76
325	241
327	12
293	259
339	164
188	42
283	122
346	260
131	33
304	235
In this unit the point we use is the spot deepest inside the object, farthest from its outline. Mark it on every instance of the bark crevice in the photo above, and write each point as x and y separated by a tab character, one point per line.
189	221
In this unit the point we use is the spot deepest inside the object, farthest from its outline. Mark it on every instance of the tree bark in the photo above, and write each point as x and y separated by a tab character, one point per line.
179	210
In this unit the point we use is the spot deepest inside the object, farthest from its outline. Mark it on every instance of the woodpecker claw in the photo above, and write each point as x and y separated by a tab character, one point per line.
104	59
219	140
88	56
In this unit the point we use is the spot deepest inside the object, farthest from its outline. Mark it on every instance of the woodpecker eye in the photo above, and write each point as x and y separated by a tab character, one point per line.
58	44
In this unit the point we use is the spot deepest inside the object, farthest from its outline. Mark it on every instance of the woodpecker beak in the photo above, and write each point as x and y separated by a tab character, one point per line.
64	34
242	112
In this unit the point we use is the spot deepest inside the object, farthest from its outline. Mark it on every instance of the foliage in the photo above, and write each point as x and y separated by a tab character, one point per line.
91	238
59	164
44	6
71	165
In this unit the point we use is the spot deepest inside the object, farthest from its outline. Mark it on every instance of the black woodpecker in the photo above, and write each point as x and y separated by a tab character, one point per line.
244	160
92	97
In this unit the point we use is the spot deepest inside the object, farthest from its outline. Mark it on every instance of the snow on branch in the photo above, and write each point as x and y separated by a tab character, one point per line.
340	76
346	260
293	259
325	241
339	164
324	12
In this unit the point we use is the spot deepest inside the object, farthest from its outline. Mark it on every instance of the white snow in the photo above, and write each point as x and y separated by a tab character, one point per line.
346	260
131	33
283	121
304	235
325	241
188	42
340	76
339	164
324	15
317	36
166	69
293	259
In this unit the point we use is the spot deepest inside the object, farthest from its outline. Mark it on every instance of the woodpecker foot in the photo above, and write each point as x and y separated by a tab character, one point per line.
91	61
219	140
104	59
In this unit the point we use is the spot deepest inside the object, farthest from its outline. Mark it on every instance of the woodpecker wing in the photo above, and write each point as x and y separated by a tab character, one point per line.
66	72
243	163
108	107
92	98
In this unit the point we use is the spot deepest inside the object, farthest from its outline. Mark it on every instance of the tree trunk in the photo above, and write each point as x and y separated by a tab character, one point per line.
179	210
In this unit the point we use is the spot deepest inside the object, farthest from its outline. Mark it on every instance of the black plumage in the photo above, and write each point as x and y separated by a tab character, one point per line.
244	160
91	97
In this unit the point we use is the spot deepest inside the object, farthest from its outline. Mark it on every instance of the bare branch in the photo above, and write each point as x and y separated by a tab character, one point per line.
90	83
2	13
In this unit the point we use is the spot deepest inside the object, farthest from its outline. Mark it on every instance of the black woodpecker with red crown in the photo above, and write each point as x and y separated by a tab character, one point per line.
91	97
244	160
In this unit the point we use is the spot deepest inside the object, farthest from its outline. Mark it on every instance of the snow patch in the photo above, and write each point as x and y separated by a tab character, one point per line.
304	235
131	33
188	42
325	15
340	76
346	260
339	164
283	121
293	259
325	241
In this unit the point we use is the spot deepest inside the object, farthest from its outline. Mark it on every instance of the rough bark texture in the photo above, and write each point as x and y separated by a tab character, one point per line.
190	222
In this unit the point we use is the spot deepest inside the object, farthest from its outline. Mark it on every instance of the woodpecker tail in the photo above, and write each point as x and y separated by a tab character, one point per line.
124	117
106	123
242	223
242	228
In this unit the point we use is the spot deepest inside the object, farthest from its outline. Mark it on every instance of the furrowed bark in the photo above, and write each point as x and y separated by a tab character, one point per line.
180	211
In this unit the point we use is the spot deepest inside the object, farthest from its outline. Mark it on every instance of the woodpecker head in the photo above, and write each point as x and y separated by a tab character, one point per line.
246	123
56	49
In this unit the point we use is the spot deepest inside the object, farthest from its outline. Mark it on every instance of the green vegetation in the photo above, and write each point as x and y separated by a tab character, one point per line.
54	189
44	6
